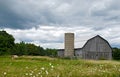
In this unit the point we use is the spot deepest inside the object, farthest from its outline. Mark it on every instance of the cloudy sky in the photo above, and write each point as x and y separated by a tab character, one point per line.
44	22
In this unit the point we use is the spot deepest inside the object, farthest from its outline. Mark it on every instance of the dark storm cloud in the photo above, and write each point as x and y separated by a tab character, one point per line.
24	14
10	19
29	13
46	21
14	14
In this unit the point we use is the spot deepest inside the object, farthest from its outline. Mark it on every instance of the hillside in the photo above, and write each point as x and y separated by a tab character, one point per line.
32	66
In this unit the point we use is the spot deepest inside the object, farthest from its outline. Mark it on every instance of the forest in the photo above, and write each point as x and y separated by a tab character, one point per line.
9	47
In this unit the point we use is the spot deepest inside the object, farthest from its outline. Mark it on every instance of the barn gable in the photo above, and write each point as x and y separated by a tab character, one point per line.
97	48
99	37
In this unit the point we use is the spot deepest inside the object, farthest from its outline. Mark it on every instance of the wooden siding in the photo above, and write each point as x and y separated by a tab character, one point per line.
60	53
78	53
97	48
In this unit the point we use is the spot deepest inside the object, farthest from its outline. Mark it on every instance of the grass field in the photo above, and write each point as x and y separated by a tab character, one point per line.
28	66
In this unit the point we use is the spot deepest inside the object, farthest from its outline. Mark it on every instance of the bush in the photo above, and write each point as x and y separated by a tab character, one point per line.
116	54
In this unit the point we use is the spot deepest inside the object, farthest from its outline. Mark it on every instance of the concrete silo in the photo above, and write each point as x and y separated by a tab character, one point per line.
69	45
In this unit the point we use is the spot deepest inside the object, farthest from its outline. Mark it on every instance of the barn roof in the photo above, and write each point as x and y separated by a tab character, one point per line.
74	49
77	48
88	41
60	49
96	37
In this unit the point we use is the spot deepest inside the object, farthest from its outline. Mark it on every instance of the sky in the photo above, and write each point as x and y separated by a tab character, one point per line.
44	22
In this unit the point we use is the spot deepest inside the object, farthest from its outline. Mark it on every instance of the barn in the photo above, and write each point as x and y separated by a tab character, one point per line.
95	48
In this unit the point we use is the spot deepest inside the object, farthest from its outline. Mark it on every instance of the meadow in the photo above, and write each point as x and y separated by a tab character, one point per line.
37	66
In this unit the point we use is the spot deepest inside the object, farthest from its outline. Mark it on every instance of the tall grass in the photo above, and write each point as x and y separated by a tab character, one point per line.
52	67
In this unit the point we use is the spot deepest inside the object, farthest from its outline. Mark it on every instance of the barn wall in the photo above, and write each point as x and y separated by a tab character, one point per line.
97	55
97	48
78	53
60	53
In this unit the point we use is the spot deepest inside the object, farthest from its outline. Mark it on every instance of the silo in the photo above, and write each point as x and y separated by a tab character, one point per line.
69	45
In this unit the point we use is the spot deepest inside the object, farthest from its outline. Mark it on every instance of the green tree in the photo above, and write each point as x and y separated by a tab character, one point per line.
32	49
116	53
23	48
7	46
42	52
6	43
19	49
51	52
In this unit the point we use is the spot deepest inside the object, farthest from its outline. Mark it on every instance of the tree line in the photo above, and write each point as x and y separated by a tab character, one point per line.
9	47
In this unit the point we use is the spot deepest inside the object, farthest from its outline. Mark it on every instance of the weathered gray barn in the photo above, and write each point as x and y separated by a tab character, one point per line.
95	48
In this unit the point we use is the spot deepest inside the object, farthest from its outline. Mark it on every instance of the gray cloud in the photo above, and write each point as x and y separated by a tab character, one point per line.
48	20
30	13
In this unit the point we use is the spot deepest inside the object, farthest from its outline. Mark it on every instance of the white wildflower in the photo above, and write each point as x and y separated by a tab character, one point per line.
35	69
46	72
115	66
103	71
119	69
57	75
26	67
26	74
30	73
42	68
39	73
52	66
4	73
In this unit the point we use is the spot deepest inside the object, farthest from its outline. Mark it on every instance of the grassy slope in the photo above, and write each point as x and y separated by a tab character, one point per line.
49	67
